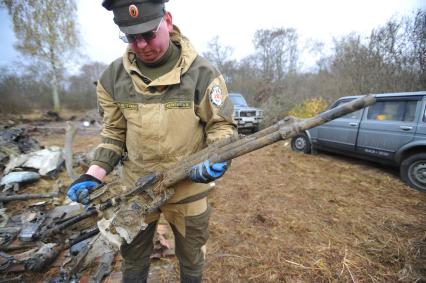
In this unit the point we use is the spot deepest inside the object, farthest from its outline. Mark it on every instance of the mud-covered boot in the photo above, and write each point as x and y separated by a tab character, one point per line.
185	278
135	276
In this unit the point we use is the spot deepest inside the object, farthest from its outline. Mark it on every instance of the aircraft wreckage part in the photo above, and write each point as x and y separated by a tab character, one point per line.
31	226
104	268
43	257
45	160
19	177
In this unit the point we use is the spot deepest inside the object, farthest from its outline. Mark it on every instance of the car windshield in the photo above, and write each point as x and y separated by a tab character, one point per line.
238	100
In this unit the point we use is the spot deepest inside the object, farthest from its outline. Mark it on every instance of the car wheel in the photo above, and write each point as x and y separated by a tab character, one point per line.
413	171
300	143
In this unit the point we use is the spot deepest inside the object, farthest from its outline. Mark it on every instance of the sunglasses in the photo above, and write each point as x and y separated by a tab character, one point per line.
146	36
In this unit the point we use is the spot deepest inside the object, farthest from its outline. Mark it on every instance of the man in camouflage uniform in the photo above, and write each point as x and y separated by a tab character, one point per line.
161	102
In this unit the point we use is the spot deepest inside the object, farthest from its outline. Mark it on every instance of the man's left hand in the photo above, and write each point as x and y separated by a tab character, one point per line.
80	189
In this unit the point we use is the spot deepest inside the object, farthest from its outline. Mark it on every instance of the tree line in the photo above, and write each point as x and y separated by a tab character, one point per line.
31	90
391	58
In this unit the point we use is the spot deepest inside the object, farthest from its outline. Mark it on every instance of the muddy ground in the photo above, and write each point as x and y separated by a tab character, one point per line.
279	216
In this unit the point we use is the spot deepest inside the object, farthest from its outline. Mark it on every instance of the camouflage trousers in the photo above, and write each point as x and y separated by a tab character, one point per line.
189	221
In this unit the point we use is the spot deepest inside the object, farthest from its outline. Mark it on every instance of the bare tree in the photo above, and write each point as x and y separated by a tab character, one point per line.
351	65
316	49
391	59
277	52
46	31
80	90
417	33
220	57
22	93
246	79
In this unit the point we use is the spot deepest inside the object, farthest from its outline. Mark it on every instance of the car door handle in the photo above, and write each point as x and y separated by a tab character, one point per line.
353	124
405	128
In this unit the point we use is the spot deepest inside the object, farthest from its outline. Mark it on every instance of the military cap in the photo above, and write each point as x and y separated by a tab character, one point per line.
137	16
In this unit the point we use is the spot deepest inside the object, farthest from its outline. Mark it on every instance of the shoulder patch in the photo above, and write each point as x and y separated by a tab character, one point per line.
216	96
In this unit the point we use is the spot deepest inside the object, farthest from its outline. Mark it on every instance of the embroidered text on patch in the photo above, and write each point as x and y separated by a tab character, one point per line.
129	106
216	96
178	105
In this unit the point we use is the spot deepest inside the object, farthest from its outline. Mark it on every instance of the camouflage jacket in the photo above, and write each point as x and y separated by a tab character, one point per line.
163	121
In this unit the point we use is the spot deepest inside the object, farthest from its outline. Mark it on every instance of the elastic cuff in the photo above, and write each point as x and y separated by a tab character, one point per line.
106	158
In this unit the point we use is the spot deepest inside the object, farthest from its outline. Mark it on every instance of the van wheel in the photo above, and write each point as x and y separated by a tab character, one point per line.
413	171
300	143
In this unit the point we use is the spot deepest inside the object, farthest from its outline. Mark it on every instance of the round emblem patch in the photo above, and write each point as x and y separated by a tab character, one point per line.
133	11
216	96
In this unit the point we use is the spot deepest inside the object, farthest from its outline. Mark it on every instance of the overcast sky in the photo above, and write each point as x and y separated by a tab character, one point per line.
234	21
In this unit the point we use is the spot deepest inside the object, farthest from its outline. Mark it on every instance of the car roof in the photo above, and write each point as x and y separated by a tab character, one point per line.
392	94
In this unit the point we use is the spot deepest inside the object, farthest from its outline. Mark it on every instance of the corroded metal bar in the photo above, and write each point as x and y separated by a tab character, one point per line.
27	196
60	227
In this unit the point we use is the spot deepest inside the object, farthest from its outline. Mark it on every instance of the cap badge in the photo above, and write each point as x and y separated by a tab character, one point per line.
133	11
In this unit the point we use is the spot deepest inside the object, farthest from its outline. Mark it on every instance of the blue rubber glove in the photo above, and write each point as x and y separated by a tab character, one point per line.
80	189
205	172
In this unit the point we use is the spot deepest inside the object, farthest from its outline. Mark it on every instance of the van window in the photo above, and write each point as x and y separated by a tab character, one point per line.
401	110
238	100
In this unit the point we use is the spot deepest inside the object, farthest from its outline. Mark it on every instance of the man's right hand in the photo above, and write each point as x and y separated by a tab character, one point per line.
80	189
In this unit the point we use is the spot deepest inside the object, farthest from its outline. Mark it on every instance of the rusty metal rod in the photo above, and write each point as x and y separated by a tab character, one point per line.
4	198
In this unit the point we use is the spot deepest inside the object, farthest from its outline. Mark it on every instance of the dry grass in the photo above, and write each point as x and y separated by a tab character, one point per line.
285	217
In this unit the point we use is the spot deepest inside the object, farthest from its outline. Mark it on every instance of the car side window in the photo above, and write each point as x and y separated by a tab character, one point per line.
400	110
353	115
